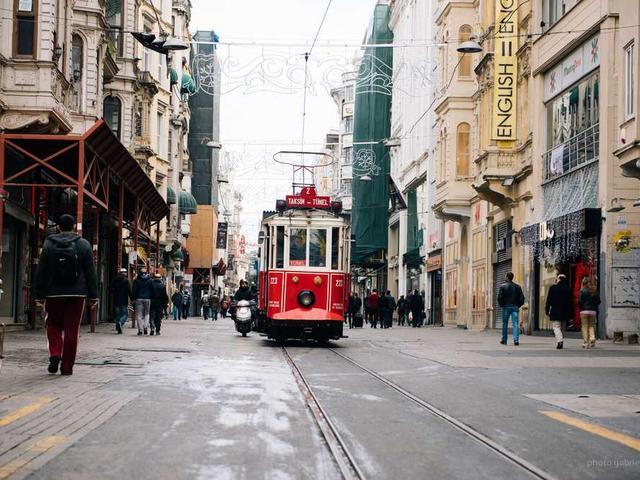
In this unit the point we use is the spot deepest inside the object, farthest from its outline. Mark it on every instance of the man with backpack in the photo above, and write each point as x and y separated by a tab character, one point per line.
159	302
142	293
176	300
121	291
510	298
65	279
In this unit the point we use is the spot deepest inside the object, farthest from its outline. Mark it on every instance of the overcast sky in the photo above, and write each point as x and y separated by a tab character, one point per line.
262	99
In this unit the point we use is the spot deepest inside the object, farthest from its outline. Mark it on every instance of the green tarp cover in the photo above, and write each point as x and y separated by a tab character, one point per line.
370	212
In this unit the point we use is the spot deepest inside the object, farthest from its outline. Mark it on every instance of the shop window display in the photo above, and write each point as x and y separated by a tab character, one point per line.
573	134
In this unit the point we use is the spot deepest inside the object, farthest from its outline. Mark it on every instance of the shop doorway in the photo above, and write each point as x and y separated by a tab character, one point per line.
436	298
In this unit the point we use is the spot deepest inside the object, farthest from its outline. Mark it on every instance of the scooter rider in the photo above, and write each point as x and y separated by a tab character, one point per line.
243	293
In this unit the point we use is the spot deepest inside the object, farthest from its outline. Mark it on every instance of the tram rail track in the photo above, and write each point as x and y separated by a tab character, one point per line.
338	446
344	459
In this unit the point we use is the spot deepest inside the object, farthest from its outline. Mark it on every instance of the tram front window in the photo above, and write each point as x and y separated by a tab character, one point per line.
298	247
317	247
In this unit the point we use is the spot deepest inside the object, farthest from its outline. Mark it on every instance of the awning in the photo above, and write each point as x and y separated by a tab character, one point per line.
187	204
188	85
101	140
586	222
171	196
413	258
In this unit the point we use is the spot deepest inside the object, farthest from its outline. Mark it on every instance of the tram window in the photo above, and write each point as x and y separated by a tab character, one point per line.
335	248
298	247
317	247
279	247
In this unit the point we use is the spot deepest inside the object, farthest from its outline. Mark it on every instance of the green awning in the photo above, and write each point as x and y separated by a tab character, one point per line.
188	85
412	219
412	258
173	76
187	203
171	196
372	125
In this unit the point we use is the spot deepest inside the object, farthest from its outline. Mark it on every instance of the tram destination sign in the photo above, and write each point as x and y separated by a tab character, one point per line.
308	199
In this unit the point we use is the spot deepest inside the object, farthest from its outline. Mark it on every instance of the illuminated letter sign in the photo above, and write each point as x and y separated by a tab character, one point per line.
505	71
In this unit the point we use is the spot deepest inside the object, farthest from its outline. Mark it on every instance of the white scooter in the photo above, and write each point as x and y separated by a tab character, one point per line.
243	317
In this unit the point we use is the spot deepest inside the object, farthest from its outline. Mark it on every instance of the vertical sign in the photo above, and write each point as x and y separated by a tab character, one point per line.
221	240
505	68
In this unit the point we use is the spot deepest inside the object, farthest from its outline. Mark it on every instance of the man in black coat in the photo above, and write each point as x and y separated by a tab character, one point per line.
387	306
559	307
416	305
65	279
121	291
510	298
159	302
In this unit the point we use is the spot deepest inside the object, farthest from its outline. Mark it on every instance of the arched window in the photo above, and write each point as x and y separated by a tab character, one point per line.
462	150
464	69
112	114
77	69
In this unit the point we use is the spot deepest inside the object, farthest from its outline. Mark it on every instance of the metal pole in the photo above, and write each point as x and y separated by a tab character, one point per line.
2	199
93	312
120	224
135	249
80	205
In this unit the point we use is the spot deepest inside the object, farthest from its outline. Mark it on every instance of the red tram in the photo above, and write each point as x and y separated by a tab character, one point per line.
304	268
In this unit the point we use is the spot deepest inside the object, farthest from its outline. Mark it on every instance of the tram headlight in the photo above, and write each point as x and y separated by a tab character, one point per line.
306	298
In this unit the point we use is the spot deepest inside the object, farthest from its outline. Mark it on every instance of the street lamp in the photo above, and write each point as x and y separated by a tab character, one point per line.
366	178
214	145
470	46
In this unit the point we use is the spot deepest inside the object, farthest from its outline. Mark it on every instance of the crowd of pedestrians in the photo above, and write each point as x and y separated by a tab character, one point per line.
66	282
380	309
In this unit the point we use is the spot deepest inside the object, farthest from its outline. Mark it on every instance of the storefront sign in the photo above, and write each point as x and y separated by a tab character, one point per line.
546	232
434	263
576	65
505	71
221	239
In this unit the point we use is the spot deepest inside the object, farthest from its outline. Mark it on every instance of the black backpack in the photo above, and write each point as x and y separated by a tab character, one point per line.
65	263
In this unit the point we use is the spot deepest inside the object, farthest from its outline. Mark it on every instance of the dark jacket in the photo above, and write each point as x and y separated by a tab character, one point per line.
559	306
588	301
214	301
176	299
243	294
402	305
510	295
387	303
160	298
121	290
85	285
357	305
142	288
416	304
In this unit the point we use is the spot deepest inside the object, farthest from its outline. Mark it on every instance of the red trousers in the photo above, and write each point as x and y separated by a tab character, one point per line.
63	328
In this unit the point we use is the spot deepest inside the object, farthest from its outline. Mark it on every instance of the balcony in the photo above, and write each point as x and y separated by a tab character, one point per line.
453	199
147	82
577	152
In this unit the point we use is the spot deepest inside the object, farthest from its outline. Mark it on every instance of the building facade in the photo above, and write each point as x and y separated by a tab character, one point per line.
75	83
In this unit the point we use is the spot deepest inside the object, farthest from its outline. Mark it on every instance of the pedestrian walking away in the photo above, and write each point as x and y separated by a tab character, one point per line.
65	279
121	293
348	313
159	302
589	301
367	311
510	298
214	306
416	305
142	293
186	304
176	302
373	305
224	305
205	306
559	307
356	306
387	307
402	312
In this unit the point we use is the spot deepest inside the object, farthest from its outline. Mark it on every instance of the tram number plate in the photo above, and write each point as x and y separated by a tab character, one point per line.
273	281
339	283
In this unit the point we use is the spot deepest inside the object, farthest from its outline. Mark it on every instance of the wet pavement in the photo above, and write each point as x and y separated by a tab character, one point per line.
202	402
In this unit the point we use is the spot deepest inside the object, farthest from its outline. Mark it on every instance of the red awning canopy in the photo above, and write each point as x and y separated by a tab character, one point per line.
101	140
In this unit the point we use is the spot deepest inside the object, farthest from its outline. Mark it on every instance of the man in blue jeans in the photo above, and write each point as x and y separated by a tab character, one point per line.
510	298
121	291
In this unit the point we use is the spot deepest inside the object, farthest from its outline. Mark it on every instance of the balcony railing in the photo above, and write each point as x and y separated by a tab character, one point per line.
573	154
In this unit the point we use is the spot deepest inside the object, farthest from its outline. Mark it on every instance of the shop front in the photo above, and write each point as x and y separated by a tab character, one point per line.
501	260
434	270
568	245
